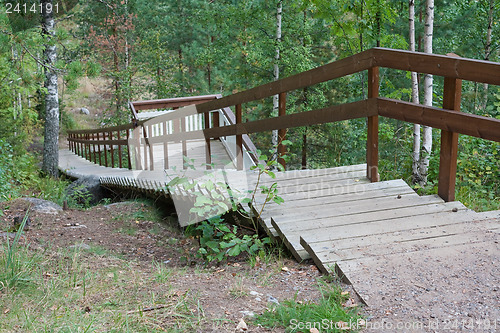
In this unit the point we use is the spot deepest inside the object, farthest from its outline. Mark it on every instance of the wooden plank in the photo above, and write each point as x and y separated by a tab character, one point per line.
401	246
359	109
171	102
451	223
355	175
307	173
346	66
446	66
384	204
359	188
453	121
314	201
334	225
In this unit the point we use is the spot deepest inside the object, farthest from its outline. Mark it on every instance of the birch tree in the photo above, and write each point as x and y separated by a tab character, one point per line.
414	98
487	48
51	138
428	85
276	67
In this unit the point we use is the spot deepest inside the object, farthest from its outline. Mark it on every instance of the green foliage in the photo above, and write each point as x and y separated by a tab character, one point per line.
14	263
328	309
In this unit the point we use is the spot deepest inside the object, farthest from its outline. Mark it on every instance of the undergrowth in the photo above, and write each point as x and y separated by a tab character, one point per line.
326	315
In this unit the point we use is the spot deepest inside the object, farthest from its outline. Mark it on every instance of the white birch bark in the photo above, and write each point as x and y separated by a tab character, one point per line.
487	49
428	85
414	98
51	138
276	67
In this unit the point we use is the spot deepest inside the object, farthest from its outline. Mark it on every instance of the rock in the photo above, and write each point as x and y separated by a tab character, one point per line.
18	220
242	326
86	191
250	314
254	293
272	299
85	111
81	246
43	206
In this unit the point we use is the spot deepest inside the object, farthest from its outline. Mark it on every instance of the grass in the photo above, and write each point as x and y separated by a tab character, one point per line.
72	290
327	315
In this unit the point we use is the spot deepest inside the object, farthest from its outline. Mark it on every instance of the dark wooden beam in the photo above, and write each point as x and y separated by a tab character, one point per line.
372	129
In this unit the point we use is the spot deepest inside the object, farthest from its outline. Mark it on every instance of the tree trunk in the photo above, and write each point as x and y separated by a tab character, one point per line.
279	10
414	98
51	139
487	50
428	85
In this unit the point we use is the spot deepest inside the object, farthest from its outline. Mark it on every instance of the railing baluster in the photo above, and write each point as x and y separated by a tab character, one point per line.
111	149
208	148
165	146
129	160
372	129
151	151
99	147
281	132
239	139
119	151
184	143
216	120
93	148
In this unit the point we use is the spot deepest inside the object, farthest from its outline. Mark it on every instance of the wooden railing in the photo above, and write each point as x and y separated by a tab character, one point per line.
449	119
105	146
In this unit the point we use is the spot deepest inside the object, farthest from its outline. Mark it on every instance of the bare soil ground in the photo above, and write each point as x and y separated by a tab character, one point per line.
130	230
449	292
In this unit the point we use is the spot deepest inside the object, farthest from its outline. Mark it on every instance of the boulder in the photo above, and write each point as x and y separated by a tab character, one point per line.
85	111
43	206
86	191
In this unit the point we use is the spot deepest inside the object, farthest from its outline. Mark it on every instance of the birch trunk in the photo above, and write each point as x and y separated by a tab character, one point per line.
428	85
51	138
487	50
414	98
277	68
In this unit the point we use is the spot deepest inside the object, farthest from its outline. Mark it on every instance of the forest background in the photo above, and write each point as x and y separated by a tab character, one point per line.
138	49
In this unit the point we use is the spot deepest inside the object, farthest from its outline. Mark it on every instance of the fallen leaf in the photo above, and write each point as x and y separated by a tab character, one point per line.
6	311
285	269
313	330
345	293
242	325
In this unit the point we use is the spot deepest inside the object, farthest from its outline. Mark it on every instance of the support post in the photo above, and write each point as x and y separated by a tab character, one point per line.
239	139
165	147
372	129
99	148
119	151
216	119
129	160
111	149
281	132
449	142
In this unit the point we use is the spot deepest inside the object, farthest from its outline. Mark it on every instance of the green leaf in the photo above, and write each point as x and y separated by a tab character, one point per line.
234	251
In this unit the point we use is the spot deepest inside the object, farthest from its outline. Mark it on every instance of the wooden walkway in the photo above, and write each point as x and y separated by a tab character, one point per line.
335	216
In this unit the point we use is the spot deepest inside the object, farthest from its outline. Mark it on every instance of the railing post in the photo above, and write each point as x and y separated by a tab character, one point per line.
136	136
216	119
104	147
281	132
449	142
372	129
208	148
93	148
239	139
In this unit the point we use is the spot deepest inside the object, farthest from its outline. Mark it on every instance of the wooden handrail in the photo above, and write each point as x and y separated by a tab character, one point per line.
449	119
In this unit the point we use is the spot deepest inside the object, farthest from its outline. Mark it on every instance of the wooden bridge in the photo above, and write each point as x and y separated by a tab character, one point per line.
344	218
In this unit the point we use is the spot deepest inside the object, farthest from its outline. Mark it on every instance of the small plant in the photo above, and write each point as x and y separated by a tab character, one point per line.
329	314
15	266
80	197
218	240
